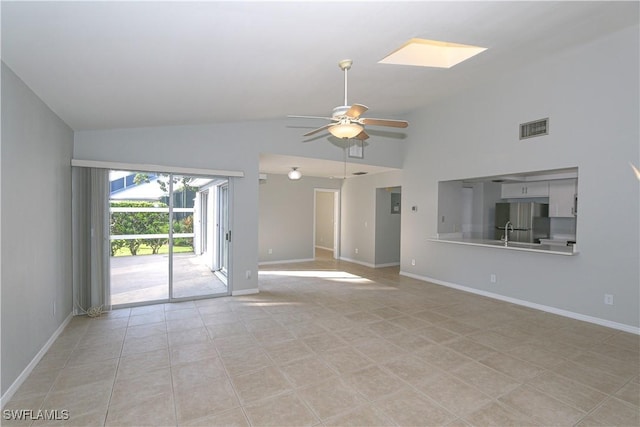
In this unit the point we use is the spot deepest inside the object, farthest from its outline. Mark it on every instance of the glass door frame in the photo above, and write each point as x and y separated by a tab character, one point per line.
224	230
225	182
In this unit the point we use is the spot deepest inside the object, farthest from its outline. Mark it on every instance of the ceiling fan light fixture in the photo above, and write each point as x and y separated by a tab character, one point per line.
346	130
294	174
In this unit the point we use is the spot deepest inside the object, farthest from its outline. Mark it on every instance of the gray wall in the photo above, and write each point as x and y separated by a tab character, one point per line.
286	217
590	95
36	225
324	219
387	231
358	215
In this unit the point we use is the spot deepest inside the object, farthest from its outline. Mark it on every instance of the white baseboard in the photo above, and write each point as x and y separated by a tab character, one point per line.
541	307
368	264
6	397
244	292
355	261
285	261
324	248
388	264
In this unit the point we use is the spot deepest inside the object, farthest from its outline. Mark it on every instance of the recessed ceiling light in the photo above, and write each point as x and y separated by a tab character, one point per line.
431	53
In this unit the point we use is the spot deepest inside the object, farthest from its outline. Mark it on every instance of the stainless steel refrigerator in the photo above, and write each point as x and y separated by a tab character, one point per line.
530	221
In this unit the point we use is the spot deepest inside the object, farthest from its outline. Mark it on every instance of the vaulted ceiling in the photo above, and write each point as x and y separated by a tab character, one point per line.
110	64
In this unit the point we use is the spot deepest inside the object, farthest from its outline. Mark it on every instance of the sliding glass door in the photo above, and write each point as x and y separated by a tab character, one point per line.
224	236
192	266
163	229
139	236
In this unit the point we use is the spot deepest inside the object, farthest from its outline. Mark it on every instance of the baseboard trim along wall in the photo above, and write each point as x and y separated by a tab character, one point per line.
285	261
244	292
388	264
548	309
368	264
6	397
355	261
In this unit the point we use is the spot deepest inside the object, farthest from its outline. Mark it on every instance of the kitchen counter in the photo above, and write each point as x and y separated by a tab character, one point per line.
514	246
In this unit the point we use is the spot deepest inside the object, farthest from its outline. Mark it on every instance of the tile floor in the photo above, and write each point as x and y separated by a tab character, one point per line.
334	344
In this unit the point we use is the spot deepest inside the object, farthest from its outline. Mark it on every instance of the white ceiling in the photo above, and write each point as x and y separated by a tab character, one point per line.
279	164
107	64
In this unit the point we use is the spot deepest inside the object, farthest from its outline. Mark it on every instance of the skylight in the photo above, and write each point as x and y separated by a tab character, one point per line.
431	53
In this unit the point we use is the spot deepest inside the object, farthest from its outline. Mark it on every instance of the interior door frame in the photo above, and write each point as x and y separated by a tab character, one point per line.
336	219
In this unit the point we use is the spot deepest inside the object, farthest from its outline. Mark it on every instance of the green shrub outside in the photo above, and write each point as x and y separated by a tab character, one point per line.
145	223
146	250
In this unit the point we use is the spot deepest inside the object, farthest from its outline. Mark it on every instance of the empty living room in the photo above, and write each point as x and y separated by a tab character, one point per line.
314	213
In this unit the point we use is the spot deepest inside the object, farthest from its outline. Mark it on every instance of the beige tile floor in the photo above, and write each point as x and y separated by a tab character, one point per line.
335	344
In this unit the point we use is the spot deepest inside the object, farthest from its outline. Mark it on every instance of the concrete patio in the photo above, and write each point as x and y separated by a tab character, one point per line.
143	278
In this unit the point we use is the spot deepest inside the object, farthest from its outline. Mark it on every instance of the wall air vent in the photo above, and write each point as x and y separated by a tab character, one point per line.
535	128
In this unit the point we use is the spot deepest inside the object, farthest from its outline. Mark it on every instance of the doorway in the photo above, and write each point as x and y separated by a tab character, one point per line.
388	226
326	222
163	228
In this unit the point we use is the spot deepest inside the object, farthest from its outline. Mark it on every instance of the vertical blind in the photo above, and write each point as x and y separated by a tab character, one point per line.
90	228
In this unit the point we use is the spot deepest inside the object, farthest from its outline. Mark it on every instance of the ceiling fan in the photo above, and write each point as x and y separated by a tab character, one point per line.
346	120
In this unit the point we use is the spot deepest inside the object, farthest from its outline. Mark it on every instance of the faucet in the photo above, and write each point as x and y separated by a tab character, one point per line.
506	232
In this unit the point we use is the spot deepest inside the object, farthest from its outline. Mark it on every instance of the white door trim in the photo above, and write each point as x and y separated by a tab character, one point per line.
336	219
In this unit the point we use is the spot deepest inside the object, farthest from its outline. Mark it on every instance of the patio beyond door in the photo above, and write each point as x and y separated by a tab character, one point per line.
163	228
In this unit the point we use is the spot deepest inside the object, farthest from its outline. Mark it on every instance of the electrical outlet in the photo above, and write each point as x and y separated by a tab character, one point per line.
248	274
608	299
356	250
270	251
413	262
493	278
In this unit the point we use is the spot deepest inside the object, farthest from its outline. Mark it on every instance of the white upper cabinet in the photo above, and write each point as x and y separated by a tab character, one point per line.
562	198
525	189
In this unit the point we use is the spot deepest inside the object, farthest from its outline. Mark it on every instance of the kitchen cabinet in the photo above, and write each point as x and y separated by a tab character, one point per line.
562	198
525	190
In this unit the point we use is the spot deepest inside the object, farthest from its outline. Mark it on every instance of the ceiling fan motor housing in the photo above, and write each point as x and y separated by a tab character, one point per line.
340	111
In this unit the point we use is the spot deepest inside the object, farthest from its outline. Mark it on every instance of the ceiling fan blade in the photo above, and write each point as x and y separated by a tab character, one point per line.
362	136
309	117
356	111
385	122
318	130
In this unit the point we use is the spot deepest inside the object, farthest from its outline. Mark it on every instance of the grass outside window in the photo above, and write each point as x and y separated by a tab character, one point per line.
146	250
